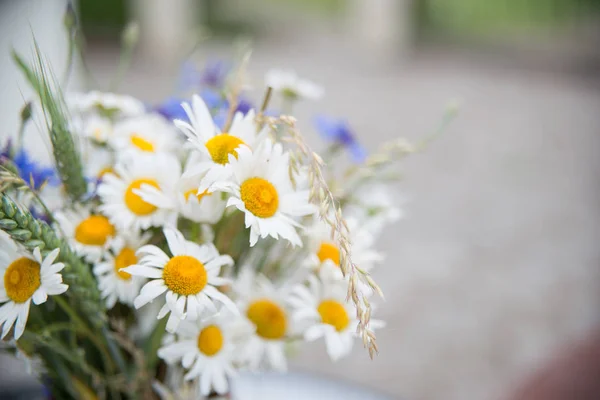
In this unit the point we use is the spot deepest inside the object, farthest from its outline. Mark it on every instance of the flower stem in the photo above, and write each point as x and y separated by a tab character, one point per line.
83	328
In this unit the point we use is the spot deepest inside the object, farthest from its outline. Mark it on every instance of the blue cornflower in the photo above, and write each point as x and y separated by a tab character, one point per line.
189	77
338	131
214	74
213	99
31	170
244	105
171	109
7	151
39	214
220	118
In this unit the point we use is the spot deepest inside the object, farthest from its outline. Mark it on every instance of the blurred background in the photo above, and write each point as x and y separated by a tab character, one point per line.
495	268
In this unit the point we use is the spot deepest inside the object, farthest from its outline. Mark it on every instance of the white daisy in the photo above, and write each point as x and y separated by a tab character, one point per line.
97	161
289	84
139	193
324	253
86	232
145	318
374	208
189	277
261	188
26	278
107	104
203	207
265	307
322	305
96	128
215	147
207	349
147	133
113	283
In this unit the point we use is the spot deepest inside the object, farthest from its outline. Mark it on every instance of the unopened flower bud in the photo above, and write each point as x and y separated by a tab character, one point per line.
26	112
131	34
69	19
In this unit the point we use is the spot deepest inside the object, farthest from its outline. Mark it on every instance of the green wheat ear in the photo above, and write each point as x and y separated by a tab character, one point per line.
31	233
64	149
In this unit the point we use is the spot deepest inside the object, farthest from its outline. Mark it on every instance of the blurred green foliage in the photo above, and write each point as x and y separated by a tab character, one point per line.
107	18
103	18
318	6
495	16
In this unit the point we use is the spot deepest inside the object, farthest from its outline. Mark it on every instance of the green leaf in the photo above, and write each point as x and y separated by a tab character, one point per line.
153	342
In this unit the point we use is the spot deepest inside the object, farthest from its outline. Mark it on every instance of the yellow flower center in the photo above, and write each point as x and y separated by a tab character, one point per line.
185	275
210	340
22	279
106	170
329	251
134	202
123	260
333	313
193	192
260	197
269	318
97	134
221	146
142	144
94	230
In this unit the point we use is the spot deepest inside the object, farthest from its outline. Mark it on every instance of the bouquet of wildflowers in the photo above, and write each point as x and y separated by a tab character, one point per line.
170	246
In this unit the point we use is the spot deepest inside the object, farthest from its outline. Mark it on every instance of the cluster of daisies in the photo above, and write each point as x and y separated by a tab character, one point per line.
204	229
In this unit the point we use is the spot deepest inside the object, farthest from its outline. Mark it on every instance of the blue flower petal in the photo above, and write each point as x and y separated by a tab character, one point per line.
212	98
359	153
338	130
221	118
215	73
30	169
244	105
171	109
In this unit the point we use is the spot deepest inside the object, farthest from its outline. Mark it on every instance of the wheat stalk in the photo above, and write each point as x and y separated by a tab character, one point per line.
66	155
331	214
31	233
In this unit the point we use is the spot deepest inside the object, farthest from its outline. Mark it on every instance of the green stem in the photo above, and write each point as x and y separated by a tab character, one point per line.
79	45
124	63
449	115
69	66
287	103
60	370
329	154
114	350
20	135
83	328
195	231
62	326
44	207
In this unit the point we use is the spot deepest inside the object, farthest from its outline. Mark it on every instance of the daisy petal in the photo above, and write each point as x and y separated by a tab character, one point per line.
142	270
39	296
212	292
22	319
